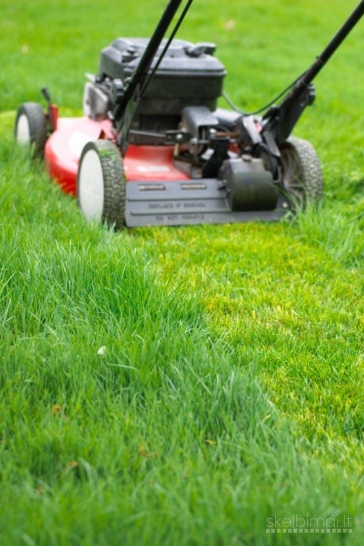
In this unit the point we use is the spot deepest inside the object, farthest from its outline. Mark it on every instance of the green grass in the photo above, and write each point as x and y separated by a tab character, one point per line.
181	385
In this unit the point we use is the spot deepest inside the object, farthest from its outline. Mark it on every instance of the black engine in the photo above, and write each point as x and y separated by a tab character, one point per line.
188	75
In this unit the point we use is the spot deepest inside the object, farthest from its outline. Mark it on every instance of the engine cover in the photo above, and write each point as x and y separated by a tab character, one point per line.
189	75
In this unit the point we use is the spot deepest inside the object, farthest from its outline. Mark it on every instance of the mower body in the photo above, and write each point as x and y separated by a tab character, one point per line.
167	182
153	148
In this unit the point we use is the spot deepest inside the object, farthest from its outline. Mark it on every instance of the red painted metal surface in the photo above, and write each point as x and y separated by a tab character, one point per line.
151	163
64	146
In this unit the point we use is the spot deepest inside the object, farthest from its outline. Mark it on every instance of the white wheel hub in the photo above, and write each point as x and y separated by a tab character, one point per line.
91	186
23	130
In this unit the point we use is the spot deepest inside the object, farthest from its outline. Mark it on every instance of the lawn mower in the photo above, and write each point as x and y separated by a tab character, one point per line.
153	148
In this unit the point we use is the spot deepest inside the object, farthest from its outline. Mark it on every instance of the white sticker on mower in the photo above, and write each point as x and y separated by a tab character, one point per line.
153	169
77	142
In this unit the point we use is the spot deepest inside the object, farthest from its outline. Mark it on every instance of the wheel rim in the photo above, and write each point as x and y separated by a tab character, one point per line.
23	130
91	186
292	174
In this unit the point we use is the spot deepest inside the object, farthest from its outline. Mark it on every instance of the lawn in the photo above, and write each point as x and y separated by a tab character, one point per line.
192	386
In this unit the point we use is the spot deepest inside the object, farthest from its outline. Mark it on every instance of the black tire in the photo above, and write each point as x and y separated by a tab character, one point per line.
31	127
101	184
302	180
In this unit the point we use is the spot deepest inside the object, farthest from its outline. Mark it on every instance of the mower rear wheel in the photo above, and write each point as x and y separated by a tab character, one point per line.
31	127
301	172
101	184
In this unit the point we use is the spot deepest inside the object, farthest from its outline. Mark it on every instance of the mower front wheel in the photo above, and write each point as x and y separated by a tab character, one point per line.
101	184
301	173
31	127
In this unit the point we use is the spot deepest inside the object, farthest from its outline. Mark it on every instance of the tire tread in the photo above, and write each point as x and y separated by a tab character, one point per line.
113	213
37	126
309	167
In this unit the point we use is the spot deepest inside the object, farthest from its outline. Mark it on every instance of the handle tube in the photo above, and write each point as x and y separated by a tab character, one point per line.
334	44
146	60
280	120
